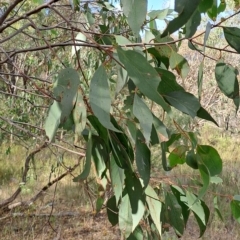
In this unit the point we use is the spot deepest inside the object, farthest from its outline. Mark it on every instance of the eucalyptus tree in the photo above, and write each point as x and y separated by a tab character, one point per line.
108	79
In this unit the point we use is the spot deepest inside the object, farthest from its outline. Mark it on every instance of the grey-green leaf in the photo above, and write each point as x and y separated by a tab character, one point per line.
79	114
100	99
227	81
125	216
53	120
135	11
144	76
65	90
143	156
136	196
144	115
180	64
117	178
87	166
184	101
154	206
185	8
193	23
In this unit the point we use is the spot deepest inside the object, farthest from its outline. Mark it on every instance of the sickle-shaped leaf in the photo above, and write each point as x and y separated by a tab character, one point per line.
79	114
125	216
185	8
184	101
193	23
144	76
87	166
53	120
135	192
144	115
143	156
117	179
175	214
65	90
100	99
135	11
154	206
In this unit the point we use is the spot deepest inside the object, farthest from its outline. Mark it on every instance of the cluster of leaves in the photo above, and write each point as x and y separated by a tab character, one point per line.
111	109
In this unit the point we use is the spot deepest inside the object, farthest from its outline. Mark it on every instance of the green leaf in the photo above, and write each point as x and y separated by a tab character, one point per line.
227	81
137	234
180	64
199	208
162	53
191	159
80	38
206	35
100	99
79	114
205	5
154	207
100	155
75	4
232	35
125	216
87	166
210	158
164	157
168	82
175	214
222	6
192	24
143	156
53	120
135	11
201	225
158	14
112	211
184	101
200	80
163	132
121	80
213	12
132	130
216	208
202	113
205	175
154	139
102	131
122	40
119	152
135	192
144	76
185	8
117	179
123	139
177	156
65	90
178	193
235	208
68	124
144	115
216	180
